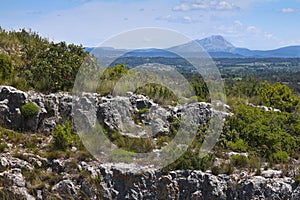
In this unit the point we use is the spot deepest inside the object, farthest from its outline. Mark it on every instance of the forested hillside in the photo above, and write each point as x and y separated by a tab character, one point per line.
28	61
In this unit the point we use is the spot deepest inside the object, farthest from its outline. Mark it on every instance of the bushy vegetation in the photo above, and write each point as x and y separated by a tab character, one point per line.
136	145
280	157
263	132
32	62
30	109
6	67
239	161
64	138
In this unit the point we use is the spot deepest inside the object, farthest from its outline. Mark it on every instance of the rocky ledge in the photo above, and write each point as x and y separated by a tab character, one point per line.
92	180
114	113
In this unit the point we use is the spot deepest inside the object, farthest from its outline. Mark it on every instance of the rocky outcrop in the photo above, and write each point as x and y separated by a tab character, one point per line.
128	181
132	115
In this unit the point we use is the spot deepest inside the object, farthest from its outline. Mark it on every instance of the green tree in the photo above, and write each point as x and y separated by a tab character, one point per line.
6	67
278	96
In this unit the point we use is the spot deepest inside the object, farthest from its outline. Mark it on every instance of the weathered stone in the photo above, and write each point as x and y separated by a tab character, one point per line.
65	188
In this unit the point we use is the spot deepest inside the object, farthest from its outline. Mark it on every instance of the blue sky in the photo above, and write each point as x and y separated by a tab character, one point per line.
255	24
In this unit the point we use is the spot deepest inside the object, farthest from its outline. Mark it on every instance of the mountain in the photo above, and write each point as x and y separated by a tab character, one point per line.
216	46
216	43
150	53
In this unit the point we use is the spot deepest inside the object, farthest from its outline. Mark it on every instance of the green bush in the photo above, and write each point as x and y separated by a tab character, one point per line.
261	132
159	93
3	148
136	145
227	168
240	145
239	161
280	157
143	111
63	137
297	179
30	109
215	170
6	67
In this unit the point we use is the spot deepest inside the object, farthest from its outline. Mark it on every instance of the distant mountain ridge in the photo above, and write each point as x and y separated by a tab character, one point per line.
216	46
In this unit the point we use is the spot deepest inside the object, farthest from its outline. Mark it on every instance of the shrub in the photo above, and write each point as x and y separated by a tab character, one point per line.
280	157
297	179
240	145
137	145
258	172
63	137
120	155
254	163
30	109
226	168
144	111
5	66
239	160
3	148
215	170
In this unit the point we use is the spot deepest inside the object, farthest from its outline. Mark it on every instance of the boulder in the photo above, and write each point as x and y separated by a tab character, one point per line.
65	189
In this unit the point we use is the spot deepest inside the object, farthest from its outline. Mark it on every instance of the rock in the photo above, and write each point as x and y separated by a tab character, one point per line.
271	173
19	164
141	101
3	164
15	183
296	193
73	149
65	188
57	166
16	98
229	154
117	114
187	184
47	126
265	108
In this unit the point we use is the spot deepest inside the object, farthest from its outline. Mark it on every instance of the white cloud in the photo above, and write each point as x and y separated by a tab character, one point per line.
177	19
223	5
252	29
181	7
238	23
200	7
288	10
247	35
269	36
213	5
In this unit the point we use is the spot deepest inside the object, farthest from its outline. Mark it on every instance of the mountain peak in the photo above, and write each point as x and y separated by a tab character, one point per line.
216	43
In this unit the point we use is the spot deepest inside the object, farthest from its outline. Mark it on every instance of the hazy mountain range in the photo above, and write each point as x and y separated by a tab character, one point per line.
217	46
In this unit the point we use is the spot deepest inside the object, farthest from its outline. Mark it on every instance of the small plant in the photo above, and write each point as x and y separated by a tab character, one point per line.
63	137
227	168
143	111
3	148
239	161
120	155
162	140
280	157
30	109
258	172
297	179
254	163
239	146
215	170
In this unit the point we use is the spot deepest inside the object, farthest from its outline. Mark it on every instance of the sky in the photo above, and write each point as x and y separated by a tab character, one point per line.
253	24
